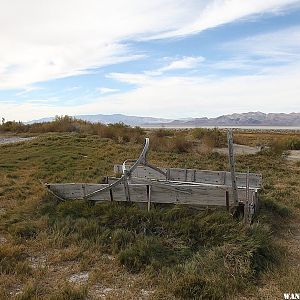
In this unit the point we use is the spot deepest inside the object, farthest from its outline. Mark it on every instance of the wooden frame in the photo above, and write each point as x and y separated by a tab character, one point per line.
144	183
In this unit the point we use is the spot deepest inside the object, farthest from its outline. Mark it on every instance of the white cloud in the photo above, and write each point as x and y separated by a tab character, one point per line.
260	54
29	89
187	62
105	90
130	78
281	45
217	12
72	88
43	40
178	97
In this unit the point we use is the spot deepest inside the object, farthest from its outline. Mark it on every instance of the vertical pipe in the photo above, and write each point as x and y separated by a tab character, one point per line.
232	166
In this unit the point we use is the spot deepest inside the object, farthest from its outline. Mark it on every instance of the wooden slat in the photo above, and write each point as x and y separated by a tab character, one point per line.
234	184
204	195
200	176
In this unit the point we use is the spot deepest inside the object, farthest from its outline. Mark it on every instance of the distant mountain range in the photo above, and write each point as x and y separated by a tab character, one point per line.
243	119
115	118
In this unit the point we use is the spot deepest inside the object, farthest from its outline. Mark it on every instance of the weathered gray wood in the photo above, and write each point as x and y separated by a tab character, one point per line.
204	195
149	196
200	176
246	207
232	166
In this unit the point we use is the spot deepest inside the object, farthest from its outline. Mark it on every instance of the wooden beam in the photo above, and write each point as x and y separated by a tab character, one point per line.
198	176
232	166
204	195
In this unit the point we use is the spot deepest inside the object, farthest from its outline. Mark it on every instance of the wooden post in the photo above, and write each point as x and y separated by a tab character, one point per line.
126	187
149	196
232	166
227	200
194	176
168	174
247	207
111	195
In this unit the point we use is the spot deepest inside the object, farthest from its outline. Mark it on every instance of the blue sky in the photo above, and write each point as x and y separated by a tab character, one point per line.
164	58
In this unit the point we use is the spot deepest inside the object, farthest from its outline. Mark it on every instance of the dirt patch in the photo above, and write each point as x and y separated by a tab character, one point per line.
9	140
79	277
294	155
239	150
37	262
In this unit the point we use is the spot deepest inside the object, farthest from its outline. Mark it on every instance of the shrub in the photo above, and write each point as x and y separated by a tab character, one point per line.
222	270
119	132
25	229
144	252
275	207
200	254
180	145
277	147
293	144
210	137
163	132
121	239
13	259
30	291
68	292
177	144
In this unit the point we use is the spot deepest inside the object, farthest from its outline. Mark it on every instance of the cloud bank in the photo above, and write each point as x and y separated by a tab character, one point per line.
43	40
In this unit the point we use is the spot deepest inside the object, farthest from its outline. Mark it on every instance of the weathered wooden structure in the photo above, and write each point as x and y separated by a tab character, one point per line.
144	183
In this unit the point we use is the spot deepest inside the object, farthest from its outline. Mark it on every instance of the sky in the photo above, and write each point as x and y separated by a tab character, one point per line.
160	58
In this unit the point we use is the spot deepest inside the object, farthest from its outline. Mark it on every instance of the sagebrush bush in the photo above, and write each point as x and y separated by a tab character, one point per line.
176	144
162	132
210	137
119	132
13	259
24	229
293	144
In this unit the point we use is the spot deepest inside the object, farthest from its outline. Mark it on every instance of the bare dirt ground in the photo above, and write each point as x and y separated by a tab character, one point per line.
294	155
15	139
239	149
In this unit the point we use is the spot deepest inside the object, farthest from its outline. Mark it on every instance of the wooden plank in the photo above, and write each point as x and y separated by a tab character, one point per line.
201	176
204	195
146	172
232	166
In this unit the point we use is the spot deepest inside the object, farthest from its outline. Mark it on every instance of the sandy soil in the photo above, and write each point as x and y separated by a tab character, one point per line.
9	140
294	155
239	149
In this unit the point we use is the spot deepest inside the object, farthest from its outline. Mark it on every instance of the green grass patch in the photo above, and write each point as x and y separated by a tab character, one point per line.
183	252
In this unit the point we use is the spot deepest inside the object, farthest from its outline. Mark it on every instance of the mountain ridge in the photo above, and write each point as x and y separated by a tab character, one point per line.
234	119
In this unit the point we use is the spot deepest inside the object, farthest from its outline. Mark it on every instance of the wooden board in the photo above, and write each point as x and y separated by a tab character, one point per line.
204	195
200	176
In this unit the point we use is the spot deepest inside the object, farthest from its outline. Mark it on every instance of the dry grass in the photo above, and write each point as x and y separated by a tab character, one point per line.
127	252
